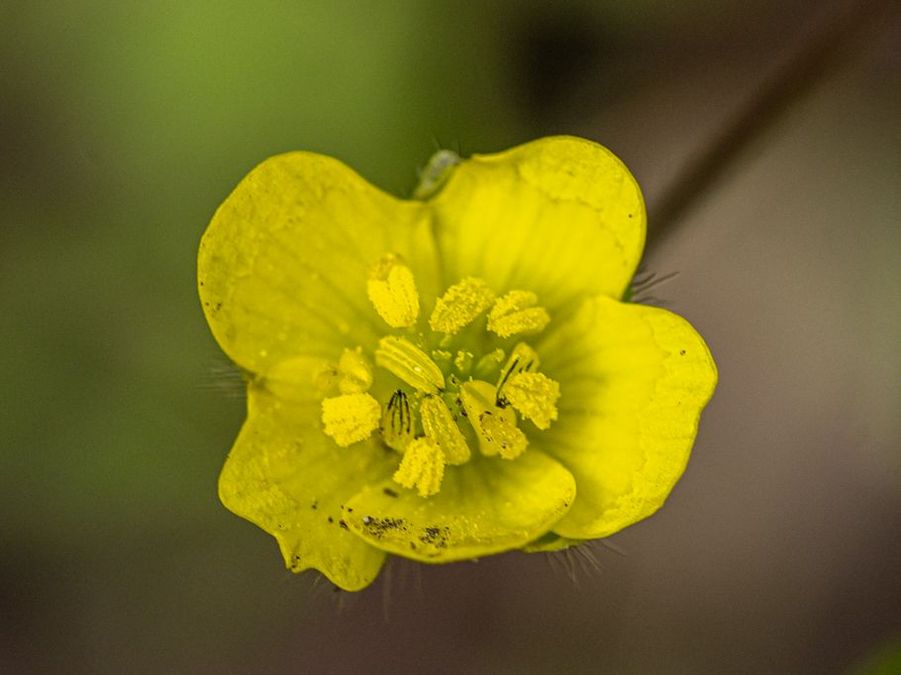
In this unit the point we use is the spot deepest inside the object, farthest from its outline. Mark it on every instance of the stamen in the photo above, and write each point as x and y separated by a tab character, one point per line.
350	418
523	359
516	313
401	357
392	291
460	305
501	434
398	426
354	371
422	467
439	425
534	396
494	426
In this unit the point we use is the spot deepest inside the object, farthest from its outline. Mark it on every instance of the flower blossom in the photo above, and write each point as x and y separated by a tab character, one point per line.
450	376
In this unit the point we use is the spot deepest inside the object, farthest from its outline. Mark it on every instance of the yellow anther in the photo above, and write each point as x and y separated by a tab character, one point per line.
534	396
460	305
502	435
495	426
523	359
398	426
392	291
422	467
350	418
401	357
354	372
439	425
516	313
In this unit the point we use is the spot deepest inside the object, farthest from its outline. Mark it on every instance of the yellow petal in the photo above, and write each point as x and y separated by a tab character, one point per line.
635	380
560	216
284	264
484	507
286	476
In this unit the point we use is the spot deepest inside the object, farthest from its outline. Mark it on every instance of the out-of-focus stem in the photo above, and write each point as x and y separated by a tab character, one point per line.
820	55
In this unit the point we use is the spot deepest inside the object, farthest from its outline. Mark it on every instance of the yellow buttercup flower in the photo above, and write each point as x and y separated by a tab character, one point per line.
451	376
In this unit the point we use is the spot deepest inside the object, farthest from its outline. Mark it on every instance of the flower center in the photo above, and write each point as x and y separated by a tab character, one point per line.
465	380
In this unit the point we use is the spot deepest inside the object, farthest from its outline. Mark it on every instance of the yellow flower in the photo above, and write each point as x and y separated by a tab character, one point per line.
451	376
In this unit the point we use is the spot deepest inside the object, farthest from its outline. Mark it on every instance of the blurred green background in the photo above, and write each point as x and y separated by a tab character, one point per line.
123	125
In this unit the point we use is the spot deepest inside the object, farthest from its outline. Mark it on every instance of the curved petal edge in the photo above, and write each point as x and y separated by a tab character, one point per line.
635	380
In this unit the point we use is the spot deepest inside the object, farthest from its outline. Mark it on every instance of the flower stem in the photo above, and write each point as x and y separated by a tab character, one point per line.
821	54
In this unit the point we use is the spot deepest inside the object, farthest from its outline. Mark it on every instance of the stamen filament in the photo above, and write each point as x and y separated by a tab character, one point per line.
522	359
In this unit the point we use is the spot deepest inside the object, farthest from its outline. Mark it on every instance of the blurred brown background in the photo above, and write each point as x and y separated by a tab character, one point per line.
122	127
